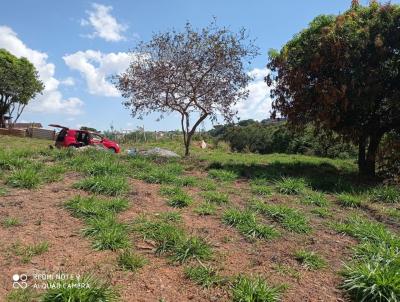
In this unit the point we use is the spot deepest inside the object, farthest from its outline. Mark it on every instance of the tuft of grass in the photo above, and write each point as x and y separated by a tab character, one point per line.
205	209
107	233
291	186
23	295
289	218
53	173
247	224
206	184
171	216
10	222
107	185
310	260
93	206
169	191
222	175
27	178
254	289
91	290
180	200
203	275
322	212
261	190
314	198
130	261
172	240
3	191
26	252
350	200
215	197
385	194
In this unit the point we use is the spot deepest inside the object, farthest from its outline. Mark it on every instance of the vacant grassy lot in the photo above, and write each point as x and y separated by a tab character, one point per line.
217	226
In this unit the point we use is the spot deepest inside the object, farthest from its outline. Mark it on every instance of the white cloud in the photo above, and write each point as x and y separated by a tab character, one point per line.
258	105
51	101
96	66
69	81
104	25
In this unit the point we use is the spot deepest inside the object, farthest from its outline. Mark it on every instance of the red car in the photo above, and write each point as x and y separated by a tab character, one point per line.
78	138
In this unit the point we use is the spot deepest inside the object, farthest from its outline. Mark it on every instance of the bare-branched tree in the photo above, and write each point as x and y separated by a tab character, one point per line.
197	73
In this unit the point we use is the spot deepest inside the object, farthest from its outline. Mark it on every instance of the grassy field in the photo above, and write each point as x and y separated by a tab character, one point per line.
217	226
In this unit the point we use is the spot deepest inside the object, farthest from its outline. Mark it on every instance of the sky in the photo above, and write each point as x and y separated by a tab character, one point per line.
77	46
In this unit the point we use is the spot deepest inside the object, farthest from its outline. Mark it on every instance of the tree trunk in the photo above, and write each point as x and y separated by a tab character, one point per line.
187	141
366	162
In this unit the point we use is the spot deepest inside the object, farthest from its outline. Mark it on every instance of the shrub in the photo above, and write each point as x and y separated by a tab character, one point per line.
310	260
92	290
251	289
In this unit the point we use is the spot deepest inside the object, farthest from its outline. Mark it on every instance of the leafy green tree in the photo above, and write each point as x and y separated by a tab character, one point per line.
343	73
19	83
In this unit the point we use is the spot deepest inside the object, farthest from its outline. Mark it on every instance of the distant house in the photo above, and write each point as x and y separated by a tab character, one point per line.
26	125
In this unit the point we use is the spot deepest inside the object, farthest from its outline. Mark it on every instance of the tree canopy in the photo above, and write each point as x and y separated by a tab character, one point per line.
197	73
343	73
19	83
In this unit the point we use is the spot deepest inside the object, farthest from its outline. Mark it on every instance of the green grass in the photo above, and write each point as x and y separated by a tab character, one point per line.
168	191
314	198
130	261
180	200
206	184
205	209
291	186
262	190
247	224
93	206
253	289
171	239
23	295
289	218
92	290
385	194
203	275
106	185
310	260
107	233
3	191
322	212
170	216
26	178
215	197
27	252
350	200
9	222
222	175
53	173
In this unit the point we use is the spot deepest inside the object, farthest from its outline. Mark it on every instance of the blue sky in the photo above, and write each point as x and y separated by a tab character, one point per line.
77	45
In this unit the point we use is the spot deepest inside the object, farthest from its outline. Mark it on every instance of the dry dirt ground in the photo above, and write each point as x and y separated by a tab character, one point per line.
44	219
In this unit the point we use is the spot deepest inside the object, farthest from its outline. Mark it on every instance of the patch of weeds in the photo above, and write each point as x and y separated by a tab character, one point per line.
130	261
349	200
179	200
322	212
103	167
23	295
107	185
107	233
168	191
286	270
254	289
203	275
385	194
261	190
26	252
205	209
92	206
27	178
222	175
215	197
10	222
172	240
289	218
247	224
91	291
392	213
291	186
310	260
171	216
314	198
206	184
53	173
185	181
3	191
